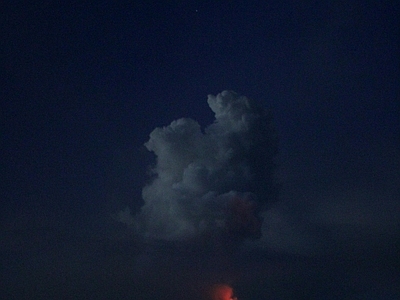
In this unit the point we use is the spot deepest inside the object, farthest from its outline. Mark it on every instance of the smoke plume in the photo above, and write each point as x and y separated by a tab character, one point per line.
216	180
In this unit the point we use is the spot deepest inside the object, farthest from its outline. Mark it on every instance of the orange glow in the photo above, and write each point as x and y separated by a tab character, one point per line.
222	292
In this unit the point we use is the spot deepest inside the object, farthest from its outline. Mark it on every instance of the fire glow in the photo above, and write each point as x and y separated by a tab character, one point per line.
222	292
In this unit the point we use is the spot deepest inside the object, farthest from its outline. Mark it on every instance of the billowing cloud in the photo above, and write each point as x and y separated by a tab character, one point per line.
219	179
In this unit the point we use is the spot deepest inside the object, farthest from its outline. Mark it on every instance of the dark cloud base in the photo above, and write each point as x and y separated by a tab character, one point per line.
60	265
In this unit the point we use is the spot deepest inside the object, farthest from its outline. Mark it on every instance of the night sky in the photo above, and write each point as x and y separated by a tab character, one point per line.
83	84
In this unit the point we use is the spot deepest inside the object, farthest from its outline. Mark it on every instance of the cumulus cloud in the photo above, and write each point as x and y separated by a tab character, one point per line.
214	180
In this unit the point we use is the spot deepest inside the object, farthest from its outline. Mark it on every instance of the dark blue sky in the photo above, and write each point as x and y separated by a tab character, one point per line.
84	84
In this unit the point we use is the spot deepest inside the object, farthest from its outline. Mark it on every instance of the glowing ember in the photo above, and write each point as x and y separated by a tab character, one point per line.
222	292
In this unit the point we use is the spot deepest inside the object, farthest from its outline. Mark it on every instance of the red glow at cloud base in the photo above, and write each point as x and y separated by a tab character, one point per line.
242	218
